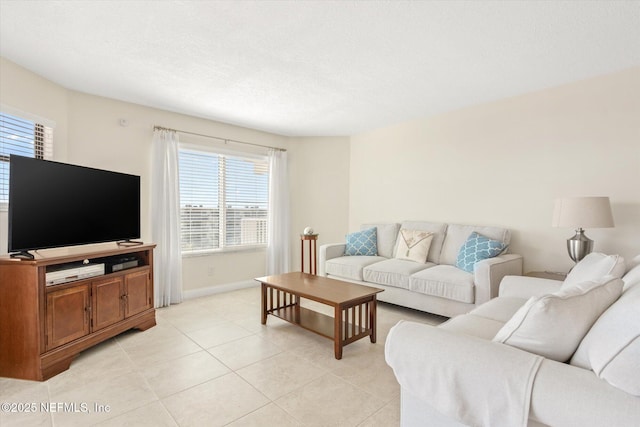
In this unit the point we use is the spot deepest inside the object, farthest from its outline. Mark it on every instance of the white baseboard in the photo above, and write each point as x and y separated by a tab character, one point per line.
211	290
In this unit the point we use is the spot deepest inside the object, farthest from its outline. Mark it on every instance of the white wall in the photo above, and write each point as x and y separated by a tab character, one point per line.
503	164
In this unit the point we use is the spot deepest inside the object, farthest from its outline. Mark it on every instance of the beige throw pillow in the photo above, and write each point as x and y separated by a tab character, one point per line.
553	325
413	245
595	266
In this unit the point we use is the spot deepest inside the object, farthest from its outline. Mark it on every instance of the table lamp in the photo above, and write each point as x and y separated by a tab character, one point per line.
579	212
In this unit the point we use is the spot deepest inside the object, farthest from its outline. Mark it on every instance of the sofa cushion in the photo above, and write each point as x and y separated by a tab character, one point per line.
350	267
362	243
594	267
413	245
386	237
612	347
393	272
553	325
470	324
444	281
477	248
501	309
437	228
458	234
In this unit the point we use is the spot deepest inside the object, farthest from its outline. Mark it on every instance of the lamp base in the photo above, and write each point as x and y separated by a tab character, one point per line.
579	246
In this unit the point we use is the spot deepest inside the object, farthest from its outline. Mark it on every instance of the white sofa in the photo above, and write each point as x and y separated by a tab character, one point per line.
436	286
459	374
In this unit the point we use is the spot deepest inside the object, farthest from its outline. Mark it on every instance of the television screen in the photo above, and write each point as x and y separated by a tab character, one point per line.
54	204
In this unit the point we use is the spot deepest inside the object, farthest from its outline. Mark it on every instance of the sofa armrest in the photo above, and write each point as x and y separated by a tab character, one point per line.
527	287
327	252
565	395
476	381
488	274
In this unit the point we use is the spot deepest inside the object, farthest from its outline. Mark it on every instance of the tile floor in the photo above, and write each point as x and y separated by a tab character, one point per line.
210	362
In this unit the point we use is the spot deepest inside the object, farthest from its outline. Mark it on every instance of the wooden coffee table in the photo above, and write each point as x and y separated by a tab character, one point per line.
354	306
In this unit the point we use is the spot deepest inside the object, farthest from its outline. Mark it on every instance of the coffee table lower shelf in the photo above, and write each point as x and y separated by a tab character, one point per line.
319	323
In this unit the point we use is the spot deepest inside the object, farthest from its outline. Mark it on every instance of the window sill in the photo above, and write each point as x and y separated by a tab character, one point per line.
214	252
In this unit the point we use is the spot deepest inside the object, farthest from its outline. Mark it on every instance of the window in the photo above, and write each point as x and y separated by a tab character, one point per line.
22	137
224	201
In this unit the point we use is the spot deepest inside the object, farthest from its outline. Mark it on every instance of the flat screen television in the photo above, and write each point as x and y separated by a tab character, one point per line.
53	204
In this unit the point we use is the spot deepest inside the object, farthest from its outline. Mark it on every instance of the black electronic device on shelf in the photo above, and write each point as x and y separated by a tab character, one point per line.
118	263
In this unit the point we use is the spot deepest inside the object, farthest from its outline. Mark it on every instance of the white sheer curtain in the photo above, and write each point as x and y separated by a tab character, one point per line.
278	250
165	214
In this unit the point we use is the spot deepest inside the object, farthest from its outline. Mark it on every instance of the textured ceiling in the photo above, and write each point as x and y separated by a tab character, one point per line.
318	67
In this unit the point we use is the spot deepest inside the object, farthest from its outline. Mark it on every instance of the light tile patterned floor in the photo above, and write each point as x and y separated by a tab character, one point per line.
210	362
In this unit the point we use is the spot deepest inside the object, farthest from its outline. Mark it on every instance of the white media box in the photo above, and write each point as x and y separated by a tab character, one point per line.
74	272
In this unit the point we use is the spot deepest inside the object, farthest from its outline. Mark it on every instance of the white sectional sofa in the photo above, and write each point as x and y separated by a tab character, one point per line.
467	371
435	286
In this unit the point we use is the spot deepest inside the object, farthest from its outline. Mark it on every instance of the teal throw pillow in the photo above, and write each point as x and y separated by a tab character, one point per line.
363	242
476	248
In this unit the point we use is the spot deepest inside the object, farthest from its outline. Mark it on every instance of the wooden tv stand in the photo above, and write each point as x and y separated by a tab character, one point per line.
43	328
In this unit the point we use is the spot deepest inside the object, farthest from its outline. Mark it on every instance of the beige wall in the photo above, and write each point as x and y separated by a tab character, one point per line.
88	133
319	168
31	93
503	164
97	139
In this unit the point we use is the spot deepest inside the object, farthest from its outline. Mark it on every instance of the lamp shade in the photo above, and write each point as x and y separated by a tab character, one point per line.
582	212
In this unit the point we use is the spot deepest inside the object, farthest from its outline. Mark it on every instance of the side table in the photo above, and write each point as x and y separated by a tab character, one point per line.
547	275
312	239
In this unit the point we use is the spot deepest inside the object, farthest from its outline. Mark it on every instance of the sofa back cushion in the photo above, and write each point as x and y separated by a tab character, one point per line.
594	267
612	347
387	233
437	228
553	325
457	235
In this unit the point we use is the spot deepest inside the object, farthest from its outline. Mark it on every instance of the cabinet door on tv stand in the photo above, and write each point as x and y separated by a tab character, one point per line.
108	302
68	315
138	291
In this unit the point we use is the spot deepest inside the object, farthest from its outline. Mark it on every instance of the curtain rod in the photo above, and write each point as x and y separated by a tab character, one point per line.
215	137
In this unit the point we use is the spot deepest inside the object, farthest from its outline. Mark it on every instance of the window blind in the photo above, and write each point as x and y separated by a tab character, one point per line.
24	138
223	201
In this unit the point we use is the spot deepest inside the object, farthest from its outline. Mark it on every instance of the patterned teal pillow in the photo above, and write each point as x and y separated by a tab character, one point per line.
362	243
476	248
